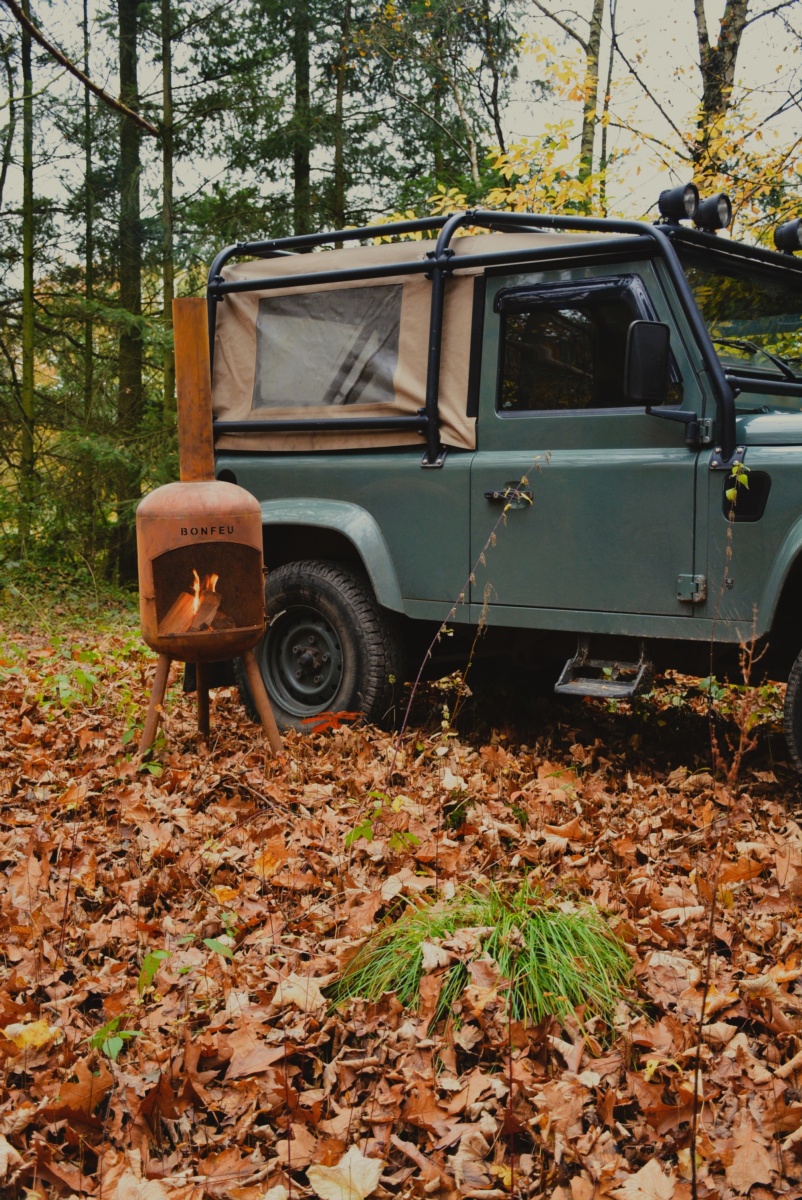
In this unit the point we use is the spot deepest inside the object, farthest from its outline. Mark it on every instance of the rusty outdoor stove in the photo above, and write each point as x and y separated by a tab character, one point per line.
199	542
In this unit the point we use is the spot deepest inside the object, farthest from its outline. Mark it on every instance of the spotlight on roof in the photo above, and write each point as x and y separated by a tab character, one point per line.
679	203
788	237
713	213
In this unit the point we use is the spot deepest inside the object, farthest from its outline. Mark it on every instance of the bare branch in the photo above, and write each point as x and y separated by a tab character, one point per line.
563	25
423	111
39	37
650	95
769	12
429	117
646	137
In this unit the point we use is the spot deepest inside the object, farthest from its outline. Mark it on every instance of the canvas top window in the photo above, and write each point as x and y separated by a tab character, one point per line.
329	349
563	346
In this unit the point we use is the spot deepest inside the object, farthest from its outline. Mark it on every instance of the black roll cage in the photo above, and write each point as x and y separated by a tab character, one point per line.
440	263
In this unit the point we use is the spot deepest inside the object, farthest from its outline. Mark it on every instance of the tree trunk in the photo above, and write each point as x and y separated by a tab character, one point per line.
439	157
606	115
87	471
168	265
27	463
302	172
130	395
470	140
717	64
492	56
591	93
340	178
11	127
89	236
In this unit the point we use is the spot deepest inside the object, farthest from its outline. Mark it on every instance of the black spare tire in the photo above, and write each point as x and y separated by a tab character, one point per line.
792	714
328	647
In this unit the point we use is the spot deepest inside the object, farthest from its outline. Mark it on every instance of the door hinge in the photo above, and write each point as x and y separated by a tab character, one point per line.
706	431
691	589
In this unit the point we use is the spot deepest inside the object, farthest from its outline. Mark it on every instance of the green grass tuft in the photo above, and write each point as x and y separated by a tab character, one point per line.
556	955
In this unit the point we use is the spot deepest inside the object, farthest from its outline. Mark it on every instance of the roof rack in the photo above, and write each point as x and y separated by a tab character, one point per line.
438	265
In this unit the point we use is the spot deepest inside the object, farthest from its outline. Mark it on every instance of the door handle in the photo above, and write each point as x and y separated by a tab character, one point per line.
514	495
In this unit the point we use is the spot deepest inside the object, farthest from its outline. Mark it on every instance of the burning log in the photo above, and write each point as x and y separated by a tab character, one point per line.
193	611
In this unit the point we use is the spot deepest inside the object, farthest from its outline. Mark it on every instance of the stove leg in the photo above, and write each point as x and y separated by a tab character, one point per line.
156	698
261	700
203	700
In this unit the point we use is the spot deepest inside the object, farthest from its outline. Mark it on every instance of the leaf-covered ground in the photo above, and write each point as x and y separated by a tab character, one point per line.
168	932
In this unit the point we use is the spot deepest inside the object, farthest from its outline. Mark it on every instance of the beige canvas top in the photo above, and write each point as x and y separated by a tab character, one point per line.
361	354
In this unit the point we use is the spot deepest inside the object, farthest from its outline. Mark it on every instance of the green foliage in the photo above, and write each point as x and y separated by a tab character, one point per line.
150	965
218	947
552	956
110	1038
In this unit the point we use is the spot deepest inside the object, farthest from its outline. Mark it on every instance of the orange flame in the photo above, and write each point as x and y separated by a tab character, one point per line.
209	585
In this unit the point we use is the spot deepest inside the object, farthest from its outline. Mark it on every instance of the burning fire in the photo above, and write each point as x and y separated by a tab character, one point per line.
209	585
196	610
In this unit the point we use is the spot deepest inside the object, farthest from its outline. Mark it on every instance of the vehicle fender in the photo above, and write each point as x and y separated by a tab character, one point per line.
790	550
352	522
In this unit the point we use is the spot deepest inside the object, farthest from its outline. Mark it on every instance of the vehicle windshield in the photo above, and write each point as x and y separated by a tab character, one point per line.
755	322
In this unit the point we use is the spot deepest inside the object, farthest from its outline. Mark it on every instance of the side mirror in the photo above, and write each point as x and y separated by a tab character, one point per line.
647	366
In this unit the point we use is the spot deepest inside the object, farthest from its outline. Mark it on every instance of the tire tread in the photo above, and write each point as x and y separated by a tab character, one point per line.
384	670
792	714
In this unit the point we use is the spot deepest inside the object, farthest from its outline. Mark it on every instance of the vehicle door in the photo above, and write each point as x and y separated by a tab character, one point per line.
751	532
581	502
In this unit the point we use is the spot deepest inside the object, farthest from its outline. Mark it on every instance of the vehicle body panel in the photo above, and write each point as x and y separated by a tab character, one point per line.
405	522
595	537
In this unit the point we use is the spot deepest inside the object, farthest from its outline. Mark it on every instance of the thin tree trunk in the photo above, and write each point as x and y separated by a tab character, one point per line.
591	93
492	58
473	155
301	155
87	480
439	158
11	128
340	178
168	265
606	115
130	395
89	236
27	462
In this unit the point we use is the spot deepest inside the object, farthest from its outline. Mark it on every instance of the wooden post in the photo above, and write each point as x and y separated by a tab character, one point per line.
193	386
261	700
156	700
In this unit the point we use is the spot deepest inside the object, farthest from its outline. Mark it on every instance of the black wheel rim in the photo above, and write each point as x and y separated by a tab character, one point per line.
302	659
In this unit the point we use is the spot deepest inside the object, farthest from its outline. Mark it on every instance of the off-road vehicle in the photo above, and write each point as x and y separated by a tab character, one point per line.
588	431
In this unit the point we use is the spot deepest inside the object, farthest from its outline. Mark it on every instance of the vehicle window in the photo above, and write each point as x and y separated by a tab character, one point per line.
328	348
565	356
755	322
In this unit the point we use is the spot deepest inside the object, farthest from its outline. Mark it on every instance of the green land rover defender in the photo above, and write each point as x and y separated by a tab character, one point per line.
586	433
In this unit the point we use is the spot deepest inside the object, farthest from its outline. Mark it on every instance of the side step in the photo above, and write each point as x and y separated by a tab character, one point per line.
606	678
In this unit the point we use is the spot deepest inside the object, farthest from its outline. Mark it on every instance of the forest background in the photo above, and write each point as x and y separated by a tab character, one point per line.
258	118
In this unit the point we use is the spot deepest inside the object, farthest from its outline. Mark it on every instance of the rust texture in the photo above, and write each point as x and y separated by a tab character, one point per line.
193	390
200	525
